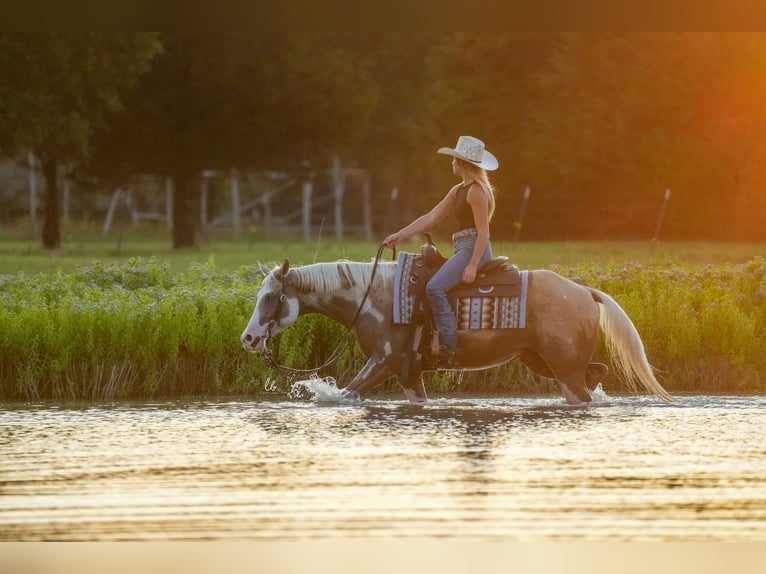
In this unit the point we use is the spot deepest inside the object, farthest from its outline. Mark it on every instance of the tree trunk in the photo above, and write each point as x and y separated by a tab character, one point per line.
185	189
51	228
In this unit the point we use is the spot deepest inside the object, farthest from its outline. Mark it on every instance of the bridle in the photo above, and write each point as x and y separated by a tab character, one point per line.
277	313
291	372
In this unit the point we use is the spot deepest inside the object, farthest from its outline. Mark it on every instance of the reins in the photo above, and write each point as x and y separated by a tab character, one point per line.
335	355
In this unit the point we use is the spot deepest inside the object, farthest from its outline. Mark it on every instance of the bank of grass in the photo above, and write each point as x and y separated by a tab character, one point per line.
169	326
84	243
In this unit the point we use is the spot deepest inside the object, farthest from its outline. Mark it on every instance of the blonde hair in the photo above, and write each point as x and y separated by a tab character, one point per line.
478	175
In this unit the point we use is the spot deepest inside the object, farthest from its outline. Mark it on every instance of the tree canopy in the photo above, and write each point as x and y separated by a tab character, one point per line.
57	89
599	125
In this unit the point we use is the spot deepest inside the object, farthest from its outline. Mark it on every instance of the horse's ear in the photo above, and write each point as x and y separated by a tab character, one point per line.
263	270
282	272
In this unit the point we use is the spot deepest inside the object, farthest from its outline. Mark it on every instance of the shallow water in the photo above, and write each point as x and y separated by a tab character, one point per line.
628	468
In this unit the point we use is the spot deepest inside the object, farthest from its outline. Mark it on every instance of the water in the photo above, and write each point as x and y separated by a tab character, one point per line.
322	468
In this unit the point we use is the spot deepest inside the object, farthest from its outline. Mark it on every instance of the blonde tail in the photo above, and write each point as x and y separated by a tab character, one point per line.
625	346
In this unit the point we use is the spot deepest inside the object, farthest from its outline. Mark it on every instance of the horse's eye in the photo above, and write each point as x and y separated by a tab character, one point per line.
282	298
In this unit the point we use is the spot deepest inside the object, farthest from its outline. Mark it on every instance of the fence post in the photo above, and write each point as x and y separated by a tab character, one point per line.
339	187
367	206
66	199
32	192
267	218
308	189
519	223
661	218
203	199
116	197
236	208
169	203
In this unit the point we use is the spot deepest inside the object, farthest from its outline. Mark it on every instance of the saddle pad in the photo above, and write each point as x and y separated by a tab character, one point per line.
404	297
496	310
492	312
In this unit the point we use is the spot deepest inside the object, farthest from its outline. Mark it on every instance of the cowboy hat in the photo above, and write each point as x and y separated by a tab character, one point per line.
472	150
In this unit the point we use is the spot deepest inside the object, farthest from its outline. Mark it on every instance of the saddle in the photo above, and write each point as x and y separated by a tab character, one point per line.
475	305
496	278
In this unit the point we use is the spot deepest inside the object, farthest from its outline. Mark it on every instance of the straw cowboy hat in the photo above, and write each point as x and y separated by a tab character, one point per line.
471	150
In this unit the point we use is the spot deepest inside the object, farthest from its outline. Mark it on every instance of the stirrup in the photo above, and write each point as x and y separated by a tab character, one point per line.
446	359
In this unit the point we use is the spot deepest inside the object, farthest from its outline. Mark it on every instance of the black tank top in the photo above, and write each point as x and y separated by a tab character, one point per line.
463	211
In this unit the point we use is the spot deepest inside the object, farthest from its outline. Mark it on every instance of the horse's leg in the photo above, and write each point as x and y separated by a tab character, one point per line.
411	374
536	363
571	379
564	326
573	373
573	387
413	386
595	374
374	372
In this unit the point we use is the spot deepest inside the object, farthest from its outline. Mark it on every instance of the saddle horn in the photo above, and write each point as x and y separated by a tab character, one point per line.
431	256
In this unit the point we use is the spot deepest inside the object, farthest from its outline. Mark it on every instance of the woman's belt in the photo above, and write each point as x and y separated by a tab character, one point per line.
463	233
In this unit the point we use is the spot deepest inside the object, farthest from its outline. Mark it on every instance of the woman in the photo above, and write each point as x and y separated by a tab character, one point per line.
472	202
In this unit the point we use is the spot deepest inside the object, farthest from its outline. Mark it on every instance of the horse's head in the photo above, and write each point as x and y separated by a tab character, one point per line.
276	308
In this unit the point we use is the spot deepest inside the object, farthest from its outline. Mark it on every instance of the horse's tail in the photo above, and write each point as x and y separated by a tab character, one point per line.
625	346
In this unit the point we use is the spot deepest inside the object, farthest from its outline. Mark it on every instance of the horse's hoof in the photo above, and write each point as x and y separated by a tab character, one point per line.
349	395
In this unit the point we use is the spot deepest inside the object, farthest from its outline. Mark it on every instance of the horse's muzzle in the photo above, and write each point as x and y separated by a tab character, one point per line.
250	343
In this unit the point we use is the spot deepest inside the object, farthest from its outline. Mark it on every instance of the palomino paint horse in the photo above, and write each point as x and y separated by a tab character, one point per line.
562	327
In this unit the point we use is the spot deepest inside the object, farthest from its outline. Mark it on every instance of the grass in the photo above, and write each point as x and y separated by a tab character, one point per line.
84	244
93	323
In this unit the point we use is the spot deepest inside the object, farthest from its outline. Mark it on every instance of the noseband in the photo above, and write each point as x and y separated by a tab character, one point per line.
277	313
266	352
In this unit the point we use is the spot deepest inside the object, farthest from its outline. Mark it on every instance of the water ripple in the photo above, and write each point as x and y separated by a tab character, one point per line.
624	468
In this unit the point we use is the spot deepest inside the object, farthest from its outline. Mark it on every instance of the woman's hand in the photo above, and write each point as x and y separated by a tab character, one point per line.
469	274
392	240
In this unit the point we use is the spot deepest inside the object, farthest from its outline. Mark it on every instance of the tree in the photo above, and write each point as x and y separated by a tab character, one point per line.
397	138
56	89
234	100
487	85
601	124
625	116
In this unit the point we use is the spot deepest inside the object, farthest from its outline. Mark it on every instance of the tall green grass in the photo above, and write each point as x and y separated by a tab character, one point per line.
704	328
140	329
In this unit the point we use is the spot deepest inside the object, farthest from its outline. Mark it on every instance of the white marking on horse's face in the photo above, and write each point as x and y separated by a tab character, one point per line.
276	308
387	348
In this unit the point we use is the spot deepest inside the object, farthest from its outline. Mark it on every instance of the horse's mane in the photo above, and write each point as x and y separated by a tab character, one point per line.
337	275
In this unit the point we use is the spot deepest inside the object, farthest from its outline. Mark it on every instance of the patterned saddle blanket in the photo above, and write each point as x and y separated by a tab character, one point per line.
496	300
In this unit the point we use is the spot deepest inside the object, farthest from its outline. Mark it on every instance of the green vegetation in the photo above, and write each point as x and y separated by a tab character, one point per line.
84	243
140	327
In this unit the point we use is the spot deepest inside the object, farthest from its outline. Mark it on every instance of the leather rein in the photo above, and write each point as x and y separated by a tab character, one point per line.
268	355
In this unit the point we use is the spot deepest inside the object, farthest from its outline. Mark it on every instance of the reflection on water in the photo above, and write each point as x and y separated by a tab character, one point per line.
524	469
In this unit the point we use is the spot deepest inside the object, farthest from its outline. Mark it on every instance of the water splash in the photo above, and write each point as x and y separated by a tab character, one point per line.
598	394
320	390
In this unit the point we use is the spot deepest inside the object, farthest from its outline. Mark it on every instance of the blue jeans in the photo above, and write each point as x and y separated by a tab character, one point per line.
448	276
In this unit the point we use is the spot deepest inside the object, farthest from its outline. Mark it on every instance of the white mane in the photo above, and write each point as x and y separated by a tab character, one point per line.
337	275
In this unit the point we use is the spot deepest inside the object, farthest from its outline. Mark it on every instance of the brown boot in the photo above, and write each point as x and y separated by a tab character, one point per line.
446	358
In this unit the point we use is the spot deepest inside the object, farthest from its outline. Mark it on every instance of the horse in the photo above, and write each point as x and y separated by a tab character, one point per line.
563	319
